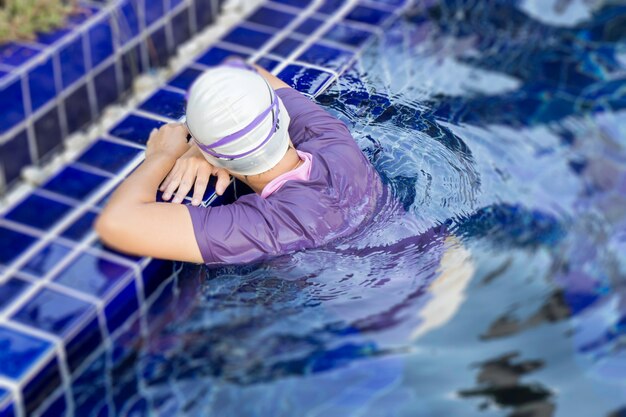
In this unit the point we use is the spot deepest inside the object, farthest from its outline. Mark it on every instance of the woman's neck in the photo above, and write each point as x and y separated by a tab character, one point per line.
290	161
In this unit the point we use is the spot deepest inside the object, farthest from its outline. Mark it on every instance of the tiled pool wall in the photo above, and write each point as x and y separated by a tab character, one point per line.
69	305
60	82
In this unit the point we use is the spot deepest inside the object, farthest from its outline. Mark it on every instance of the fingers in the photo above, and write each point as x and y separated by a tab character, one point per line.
202	180
223	179
185	185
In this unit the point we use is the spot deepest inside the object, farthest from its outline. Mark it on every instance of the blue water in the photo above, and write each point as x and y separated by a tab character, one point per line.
493	281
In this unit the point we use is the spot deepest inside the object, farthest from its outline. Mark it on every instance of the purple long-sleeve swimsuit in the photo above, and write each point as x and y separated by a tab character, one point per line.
341	193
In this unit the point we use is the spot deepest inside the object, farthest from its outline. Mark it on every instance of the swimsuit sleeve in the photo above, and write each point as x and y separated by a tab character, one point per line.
308	120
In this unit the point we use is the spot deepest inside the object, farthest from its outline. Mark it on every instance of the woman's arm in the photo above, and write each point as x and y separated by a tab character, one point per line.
133	222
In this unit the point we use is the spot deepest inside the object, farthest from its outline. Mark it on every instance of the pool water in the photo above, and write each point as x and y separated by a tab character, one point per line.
491	283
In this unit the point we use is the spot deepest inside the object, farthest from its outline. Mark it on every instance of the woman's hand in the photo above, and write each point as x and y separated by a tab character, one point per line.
192	168
169	141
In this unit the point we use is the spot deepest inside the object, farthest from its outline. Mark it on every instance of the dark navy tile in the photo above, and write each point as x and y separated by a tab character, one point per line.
165	103
154	11
309	26
81	228
285	47
52	37
83	343
154	274
181	28
368	15
330	6
38	212
247	37
11	105
48	134
100	41
135	128
15	155
185	78
105	83
54	312
326	56
90	388
41	84
56	408
10	289
348	35
122	306
72	58
41	385
174	3
132	66
93	275
13	244
108	156
15	54
271	17
127	17
305	80
19	352
77	109
217	55
158	52
267	63
204	13
295	3
45	259
75	183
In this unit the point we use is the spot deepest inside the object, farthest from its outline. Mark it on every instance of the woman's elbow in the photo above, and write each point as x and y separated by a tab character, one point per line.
108	229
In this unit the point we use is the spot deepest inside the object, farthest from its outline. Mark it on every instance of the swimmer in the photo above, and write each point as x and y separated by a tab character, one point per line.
311	182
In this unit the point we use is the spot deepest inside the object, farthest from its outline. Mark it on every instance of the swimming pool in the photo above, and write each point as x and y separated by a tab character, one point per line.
492	281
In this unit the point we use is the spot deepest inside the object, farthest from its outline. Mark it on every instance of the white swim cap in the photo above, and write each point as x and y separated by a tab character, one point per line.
237	120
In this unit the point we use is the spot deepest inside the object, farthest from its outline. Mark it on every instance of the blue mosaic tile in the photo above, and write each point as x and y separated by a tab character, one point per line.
81	228
41	386
93	275
15	155
48	133
13	244
54	312
165	103
57	407
127	21
105	84
158	52
154	11
122	306
77	109
38	212
41	84
309	26
90	389
326	56
267	63
330	6
286	47
74	183
135	128
250	38
181	29
10	112
18	352
217	55
72	59
10	290
45	259
204	13
132	66
100	42
295	3
305	80
368	15
108	156
52	37
154	274
83	343
185	78
271	17
348	35
15	55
